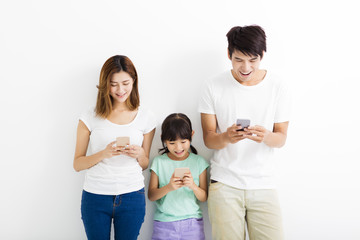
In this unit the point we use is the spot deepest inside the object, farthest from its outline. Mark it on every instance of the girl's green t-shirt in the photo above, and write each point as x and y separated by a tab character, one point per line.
181	203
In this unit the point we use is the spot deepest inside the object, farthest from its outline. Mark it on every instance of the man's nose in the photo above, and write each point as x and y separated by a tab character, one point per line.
245	67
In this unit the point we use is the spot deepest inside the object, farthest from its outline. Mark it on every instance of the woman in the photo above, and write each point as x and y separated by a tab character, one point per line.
114	184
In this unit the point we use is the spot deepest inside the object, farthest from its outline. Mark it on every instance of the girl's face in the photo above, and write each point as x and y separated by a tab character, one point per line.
121	85
178	149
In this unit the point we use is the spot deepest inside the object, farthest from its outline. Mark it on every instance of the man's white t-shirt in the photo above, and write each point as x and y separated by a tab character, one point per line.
245	164
118	174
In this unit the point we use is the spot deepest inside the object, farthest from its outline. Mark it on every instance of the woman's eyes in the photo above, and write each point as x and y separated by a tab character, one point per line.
115	85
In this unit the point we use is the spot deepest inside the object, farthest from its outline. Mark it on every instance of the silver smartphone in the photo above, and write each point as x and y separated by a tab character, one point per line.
245	123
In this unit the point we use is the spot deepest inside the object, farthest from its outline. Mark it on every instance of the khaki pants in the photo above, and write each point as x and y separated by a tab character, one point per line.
230	207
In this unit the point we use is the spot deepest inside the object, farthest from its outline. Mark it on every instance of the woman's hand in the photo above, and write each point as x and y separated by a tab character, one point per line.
110	150
133	151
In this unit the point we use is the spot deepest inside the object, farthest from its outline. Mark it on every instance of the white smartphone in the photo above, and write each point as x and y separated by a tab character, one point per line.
179	172
245	123
122	142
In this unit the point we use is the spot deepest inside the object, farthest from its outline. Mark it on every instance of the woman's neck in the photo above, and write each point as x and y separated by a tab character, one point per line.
120	107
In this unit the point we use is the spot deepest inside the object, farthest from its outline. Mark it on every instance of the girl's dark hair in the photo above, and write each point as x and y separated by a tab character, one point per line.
176	126
250	40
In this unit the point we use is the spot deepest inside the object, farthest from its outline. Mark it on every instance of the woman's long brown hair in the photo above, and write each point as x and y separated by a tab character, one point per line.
104	101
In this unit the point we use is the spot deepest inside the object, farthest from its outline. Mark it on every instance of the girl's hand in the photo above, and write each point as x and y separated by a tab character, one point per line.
189	181
133	151
110	150
175	183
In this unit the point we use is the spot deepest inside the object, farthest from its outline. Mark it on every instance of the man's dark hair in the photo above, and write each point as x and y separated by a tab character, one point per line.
250	40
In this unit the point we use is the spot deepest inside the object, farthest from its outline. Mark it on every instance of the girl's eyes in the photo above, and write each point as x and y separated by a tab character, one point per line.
172	143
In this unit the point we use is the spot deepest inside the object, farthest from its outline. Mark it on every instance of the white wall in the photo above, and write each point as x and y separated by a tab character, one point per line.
51	53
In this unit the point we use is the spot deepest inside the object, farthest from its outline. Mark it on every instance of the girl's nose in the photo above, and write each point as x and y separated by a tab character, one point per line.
178	146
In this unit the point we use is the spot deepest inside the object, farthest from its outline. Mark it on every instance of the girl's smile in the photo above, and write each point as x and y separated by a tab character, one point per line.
178	149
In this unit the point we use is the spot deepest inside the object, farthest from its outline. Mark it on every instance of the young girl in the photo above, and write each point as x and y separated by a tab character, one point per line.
114	184
178	214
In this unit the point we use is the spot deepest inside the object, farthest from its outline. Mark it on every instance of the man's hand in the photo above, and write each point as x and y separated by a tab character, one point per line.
257	133
232	134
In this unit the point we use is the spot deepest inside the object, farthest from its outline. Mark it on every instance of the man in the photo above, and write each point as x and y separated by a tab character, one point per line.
242	187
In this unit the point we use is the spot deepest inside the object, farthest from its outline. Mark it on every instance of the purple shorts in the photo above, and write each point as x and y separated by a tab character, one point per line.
192	228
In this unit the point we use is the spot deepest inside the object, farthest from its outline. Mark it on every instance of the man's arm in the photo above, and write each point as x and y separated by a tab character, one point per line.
214	140
276	138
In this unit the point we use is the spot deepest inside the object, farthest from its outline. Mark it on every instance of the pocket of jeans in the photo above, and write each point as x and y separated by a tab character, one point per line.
141	191
199	223
215	186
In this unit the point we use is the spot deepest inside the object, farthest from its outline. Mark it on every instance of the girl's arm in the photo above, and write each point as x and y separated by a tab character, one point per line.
141	153
81	161
156	193
199	191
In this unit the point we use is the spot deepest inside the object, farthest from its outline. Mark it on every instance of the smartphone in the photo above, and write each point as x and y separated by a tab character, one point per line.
122	142
245	123
179	172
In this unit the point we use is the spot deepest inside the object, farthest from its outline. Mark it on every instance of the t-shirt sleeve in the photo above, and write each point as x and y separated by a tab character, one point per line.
151	122
206	101
87	118
203	164
155	166
284	103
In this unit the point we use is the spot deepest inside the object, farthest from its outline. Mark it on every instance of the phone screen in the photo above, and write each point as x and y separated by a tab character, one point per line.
245	123
179	172
122	141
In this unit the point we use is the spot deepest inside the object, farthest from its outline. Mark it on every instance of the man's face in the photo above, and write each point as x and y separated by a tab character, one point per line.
245	68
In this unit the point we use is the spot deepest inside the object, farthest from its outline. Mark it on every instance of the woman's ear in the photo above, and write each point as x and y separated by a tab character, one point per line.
192	133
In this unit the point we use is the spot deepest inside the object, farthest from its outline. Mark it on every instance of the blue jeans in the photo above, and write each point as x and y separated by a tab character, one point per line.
127	211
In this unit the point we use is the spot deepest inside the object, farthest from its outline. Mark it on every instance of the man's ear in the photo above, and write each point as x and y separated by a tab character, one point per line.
263	54
229	54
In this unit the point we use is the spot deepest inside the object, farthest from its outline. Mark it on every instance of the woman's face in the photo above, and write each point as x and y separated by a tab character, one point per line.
121	85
